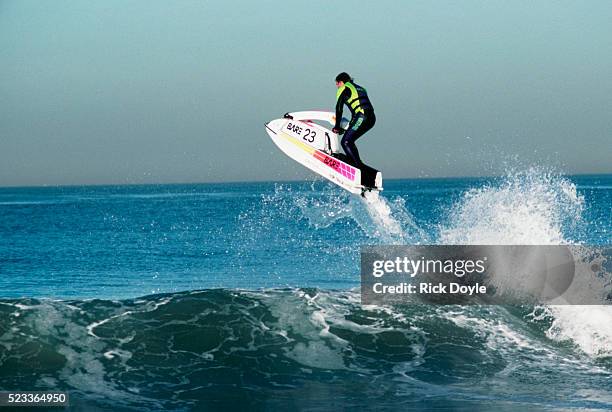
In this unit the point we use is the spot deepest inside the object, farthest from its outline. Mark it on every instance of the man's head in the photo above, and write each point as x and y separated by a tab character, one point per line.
343	78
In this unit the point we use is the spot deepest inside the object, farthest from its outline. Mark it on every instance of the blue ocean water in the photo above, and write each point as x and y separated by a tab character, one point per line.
209	296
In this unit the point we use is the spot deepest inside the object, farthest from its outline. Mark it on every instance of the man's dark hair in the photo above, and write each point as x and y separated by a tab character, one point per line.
344	77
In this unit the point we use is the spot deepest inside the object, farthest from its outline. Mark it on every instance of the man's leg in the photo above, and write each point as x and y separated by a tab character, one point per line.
354	132
348	144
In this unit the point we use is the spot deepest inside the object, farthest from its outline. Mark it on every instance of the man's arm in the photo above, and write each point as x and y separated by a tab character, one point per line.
343	94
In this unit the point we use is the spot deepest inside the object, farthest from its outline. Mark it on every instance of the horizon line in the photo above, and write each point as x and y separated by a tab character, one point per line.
33	186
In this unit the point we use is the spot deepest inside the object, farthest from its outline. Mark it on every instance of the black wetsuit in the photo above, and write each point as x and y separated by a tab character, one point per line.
362	117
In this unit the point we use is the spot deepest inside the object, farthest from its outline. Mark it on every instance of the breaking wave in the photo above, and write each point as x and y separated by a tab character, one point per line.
307	347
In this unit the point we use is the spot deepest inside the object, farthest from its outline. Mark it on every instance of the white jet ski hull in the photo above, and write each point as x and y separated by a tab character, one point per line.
315	146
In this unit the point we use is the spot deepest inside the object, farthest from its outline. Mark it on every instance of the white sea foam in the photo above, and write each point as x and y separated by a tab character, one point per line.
588	327
394	223
532	208
385	221
526	208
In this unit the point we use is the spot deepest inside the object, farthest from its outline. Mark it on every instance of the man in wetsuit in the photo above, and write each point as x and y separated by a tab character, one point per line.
362	115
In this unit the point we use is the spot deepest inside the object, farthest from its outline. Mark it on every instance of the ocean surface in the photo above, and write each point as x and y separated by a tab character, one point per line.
245	296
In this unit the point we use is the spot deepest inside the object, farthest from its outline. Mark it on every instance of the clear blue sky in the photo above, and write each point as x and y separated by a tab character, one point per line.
178	91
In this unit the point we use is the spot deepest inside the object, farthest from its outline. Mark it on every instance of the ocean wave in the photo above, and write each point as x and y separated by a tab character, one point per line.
240	347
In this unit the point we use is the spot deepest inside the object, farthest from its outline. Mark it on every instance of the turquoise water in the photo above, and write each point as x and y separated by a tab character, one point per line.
190	297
